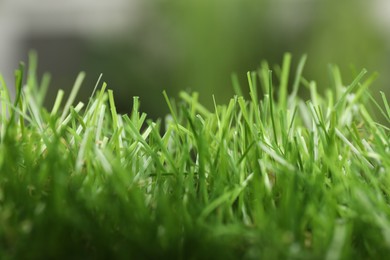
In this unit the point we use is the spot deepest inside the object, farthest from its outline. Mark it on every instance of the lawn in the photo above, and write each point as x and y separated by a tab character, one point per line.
269	175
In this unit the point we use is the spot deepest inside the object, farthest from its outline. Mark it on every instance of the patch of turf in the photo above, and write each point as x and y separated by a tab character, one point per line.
272	176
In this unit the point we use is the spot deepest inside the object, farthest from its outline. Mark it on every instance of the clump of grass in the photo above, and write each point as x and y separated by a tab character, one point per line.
272	176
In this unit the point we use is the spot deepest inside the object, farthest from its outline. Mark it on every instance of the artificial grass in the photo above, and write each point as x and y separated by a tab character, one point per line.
272	176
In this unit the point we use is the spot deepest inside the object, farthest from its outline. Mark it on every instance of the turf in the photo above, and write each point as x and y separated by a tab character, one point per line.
270	176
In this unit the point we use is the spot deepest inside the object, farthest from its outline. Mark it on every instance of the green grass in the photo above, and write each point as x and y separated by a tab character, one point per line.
272	176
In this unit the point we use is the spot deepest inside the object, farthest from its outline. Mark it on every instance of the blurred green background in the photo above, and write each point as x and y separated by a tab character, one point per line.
196	45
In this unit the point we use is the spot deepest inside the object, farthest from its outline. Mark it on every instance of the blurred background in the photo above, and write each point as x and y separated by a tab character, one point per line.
143	47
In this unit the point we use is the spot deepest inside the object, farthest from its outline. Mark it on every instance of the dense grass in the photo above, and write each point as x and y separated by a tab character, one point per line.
271	176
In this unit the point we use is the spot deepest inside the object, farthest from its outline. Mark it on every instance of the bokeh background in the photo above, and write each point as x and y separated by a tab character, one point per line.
143	47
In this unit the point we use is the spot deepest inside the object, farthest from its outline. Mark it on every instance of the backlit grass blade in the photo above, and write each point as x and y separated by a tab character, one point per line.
350	88
72	96
283	87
